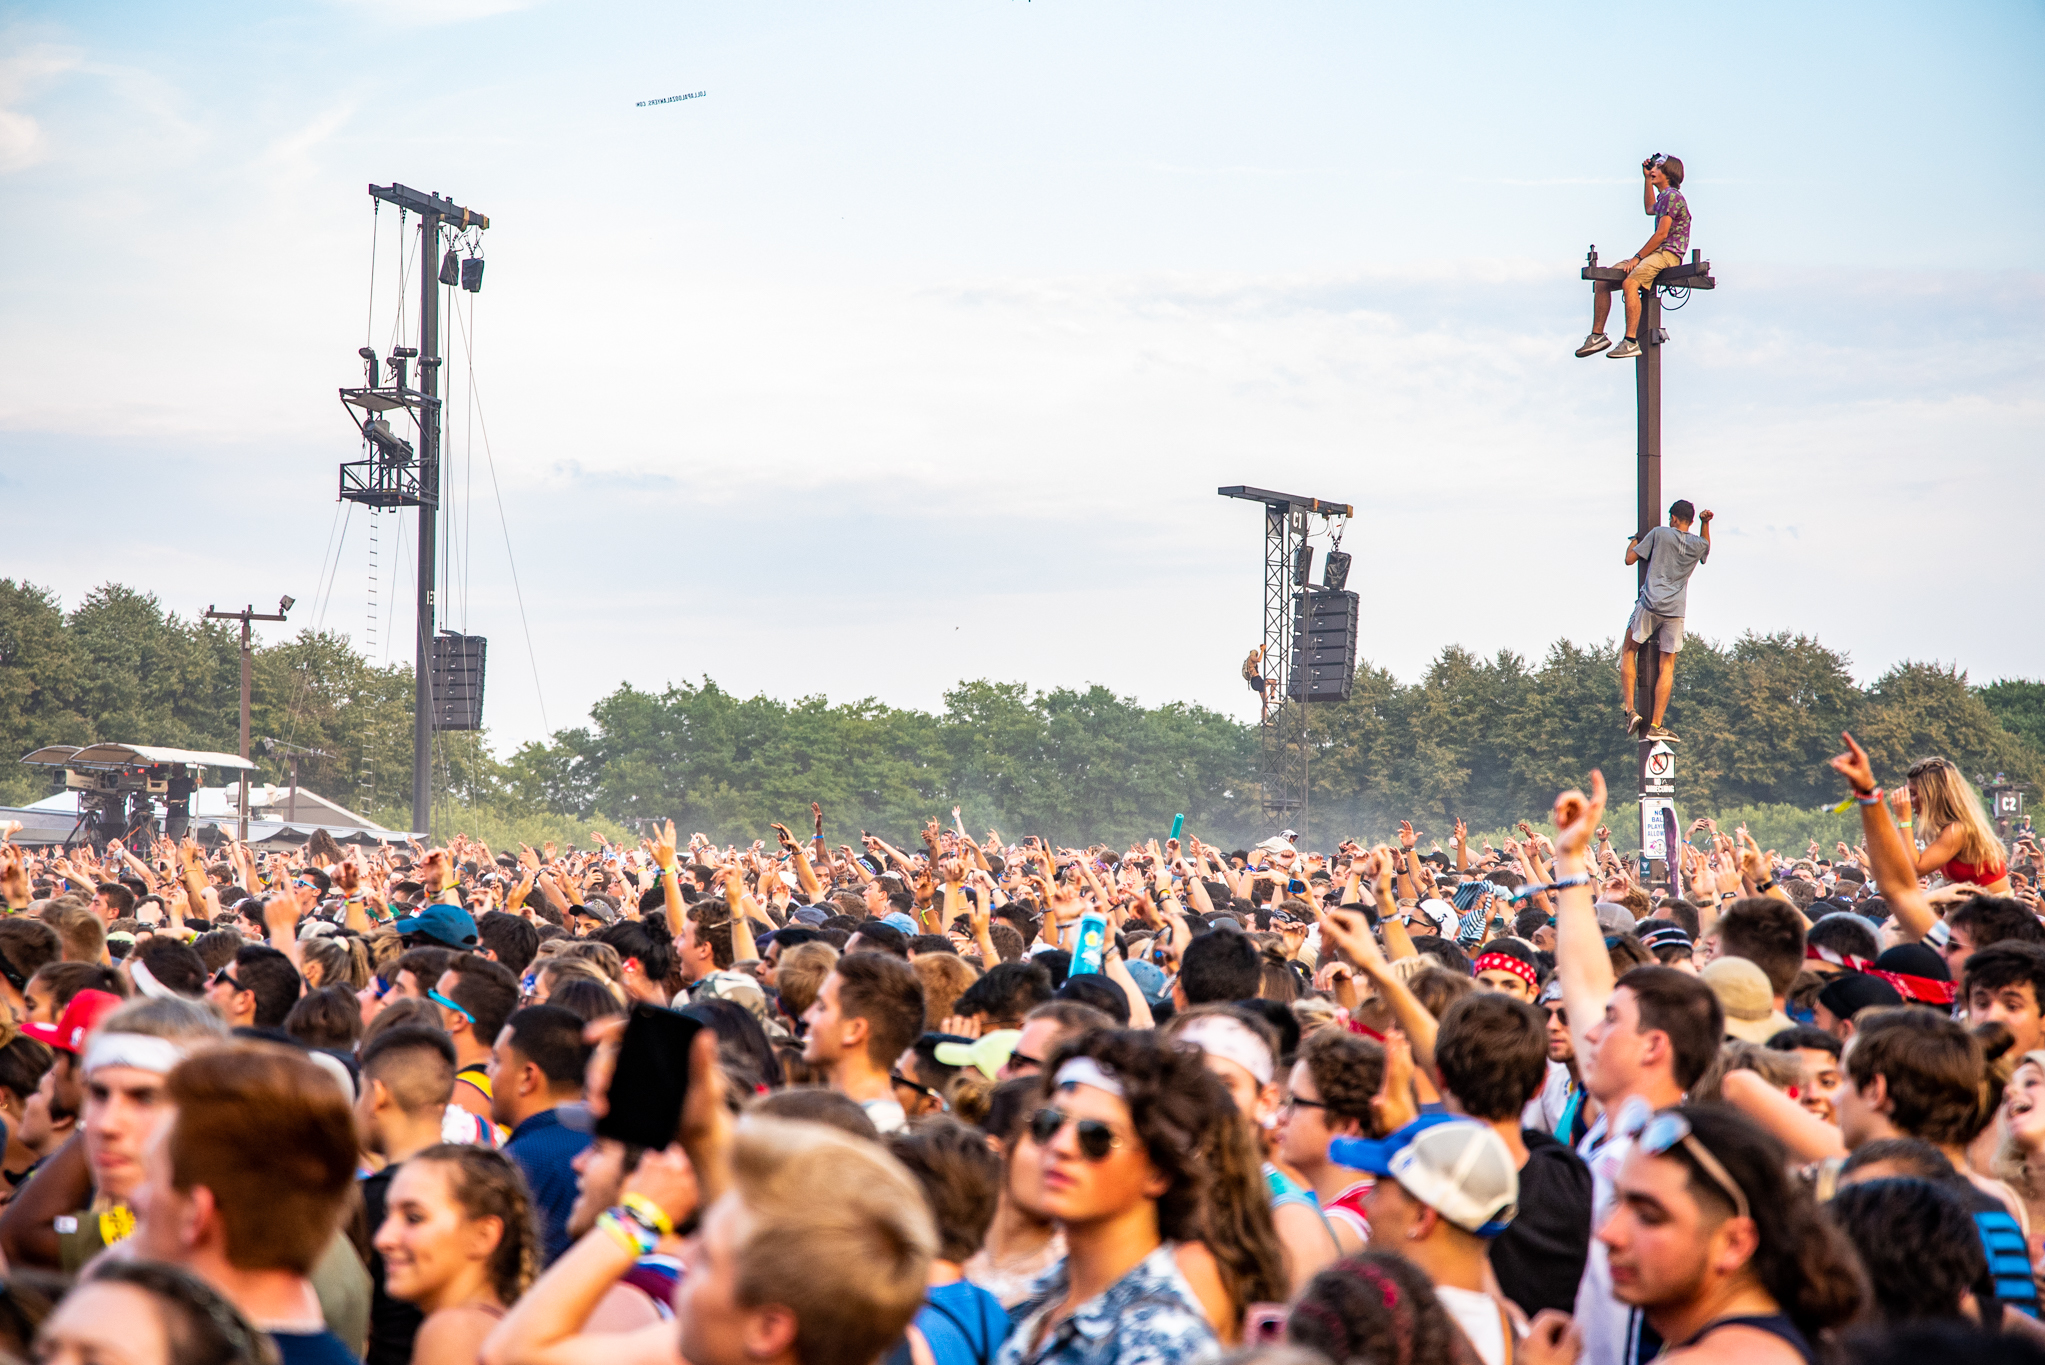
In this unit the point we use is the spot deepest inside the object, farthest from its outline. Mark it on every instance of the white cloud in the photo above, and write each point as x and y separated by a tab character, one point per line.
31	69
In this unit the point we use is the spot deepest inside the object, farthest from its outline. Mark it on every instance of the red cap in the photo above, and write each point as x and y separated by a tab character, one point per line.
80	1017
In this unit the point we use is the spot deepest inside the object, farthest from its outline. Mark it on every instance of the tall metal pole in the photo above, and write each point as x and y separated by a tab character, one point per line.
429	512
1647	396
241	824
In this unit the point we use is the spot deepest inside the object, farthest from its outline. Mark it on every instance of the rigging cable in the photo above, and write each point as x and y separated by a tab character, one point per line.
483	422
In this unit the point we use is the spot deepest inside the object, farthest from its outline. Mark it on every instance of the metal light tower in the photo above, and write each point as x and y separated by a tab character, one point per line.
246	615
393	475
1282	731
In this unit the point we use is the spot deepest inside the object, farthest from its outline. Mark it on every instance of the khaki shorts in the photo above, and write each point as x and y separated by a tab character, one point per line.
1651	265
1667	630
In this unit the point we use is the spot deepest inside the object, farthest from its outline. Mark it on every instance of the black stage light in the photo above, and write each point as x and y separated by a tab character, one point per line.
1302	565
472	274
450	268
1335	570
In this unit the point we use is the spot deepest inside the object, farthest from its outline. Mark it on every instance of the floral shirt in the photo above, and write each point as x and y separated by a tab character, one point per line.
1149	1315
1672	205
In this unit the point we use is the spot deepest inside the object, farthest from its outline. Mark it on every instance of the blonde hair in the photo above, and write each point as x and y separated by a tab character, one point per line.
560	969
1943	797
836	1231
343	961
601	956
800	975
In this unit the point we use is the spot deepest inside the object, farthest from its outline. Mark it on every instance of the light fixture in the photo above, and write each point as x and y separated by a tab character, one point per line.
472	274
450	268
369	359
284	603
1302	565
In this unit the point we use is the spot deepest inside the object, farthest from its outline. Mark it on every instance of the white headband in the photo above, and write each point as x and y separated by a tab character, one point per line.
146	982
143	1051
1231	1040
1087	1071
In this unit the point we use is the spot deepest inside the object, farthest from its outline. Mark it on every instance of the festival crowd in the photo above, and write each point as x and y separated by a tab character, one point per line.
994	1102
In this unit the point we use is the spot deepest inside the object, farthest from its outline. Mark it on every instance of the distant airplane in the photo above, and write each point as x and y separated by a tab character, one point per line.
693	95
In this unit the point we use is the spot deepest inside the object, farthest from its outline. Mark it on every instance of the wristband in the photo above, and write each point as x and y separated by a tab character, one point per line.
1873	798
1903	824
1766	886
647	1214
628	1234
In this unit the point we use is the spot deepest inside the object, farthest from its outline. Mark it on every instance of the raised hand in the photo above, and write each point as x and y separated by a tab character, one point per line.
1576	815
663	846
1407	838
1854	766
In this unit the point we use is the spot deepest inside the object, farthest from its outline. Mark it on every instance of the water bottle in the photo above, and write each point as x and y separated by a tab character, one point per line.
1093	934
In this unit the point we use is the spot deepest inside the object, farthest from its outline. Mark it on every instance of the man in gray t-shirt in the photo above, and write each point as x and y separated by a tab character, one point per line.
1672	553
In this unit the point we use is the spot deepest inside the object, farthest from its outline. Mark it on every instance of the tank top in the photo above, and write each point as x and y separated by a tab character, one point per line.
1774	1324
1981	874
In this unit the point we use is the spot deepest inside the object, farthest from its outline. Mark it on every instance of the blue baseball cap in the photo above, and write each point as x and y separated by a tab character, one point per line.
1150	979
1456	1166
450	926
898	920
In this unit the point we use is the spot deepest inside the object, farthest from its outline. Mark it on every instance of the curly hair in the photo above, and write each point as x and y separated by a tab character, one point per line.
1171	1097
1377	1307
486	1184
1349	1070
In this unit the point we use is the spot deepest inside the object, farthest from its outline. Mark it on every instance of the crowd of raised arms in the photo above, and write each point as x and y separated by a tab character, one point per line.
990	1100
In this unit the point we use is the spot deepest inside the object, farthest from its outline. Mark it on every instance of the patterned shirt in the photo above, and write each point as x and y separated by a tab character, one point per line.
1672	205
741	990
1149	1315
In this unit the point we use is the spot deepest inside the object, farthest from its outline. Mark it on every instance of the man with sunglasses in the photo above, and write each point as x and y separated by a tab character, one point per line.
1712	1241
474	997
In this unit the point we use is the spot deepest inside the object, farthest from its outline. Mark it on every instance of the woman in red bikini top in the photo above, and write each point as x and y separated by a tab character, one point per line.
1962	843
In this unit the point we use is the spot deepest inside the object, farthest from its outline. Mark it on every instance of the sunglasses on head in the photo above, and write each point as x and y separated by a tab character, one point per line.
1670	1129
1096	1138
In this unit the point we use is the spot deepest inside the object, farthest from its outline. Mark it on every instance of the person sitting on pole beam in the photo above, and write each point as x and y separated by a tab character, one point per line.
1662	196
1672	554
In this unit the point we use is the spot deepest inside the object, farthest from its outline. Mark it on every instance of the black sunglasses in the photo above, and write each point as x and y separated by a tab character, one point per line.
1018	1060
225	977
1096	1138
906	1083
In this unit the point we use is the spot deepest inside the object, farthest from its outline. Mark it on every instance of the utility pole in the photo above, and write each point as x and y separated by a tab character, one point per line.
245	615
1657	768
433	211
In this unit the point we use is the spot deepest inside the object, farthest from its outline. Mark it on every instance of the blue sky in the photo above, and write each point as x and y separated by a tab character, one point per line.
916	349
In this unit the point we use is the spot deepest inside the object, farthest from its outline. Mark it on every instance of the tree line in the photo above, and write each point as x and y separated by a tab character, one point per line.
1486	740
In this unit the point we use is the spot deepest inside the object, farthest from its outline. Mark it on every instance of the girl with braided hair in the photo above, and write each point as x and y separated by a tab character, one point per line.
1376	1309
460	1242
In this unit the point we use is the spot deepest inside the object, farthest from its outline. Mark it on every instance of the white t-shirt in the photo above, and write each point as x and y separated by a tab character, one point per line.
887	1114
1611	1330
1479	1317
